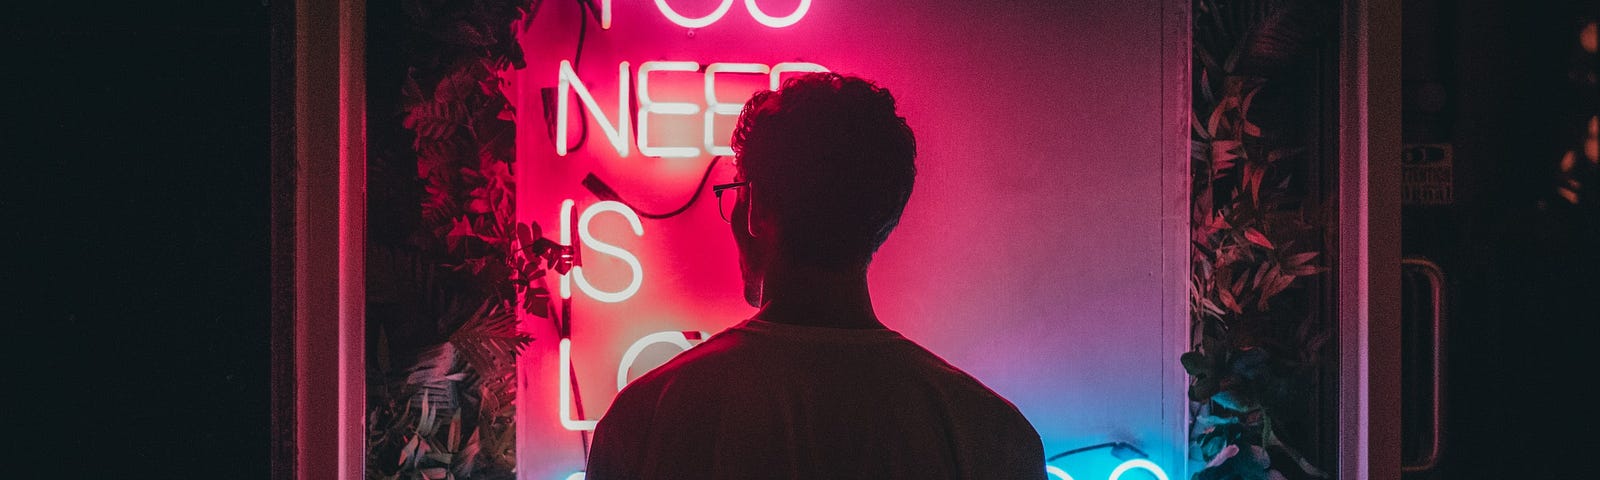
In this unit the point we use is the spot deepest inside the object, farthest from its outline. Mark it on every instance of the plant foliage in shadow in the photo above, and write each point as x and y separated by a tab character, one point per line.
447	263
1255	345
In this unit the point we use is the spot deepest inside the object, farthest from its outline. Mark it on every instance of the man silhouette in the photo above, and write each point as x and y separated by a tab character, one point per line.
813	386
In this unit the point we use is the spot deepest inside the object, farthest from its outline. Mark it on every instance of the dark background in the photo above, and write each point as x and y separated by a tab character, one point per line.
1522	265
135	190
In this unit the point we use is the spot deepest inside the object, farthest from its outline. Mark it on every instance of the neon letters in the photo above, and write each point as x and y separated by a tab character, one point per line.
617	133
679	339
1139	463
756	12
584	235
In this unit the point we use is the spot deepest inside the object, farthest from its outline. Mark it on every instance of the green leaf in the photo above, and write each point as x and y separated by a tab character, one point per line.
1235	401
1196	364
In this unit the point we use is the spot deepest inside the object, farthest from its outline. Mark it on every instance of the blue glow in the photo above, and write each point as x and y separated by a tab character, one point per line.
1139	463
1057	472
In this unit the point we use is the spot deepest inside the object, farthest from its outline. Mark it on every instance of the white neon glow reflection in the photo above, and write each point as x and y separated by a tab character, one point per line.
566	241
1139	463
609	249
714	107
761	16
567	421
1057	472
648	106
686	22
681	339
788	67
618	135
569	82
777	22
576	476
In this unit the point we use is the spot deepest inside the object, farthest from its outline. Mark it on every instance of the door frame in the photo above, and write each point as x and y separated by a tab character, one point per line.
318	230
1368	240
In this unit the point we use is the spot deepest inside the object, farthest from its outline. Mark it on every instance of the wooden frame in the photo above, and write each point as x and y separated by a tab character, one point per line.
318	229
1368	240
1176	54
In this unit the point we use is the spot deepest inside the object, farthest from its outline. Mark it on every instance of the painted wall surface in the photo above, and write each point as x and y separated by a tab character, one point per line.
1029	255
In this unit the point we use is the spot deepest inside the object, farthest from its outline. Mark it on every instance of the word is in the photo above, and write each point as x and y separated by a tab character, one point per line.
576	275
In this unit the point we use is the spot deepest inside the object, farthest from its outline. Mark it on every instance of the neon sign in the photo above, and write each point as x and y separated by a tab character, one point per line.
617	133
629	358
598	246
618	128
756	12
666	106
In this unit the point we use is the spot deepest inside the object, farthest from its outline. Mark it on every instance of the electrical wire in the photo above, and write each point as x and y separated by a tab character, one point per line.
605	192
584	7
1112	445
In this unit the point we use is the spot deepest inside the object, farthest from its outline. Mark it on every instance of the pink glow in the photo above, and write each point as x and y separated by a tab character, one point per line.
667	11
648	106
569	82
729	109
565	388
567	207
777	22
1038	133
636	277
693	22
791	67
631	356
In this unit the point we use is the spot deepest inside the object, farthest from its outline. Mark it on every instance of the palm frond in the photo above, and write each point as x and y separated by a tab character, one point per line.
490	342
1279	34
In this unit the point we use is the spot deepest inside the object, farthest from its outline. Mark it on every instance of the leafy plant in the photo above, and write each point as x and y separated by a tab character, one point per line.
447	262
1254	350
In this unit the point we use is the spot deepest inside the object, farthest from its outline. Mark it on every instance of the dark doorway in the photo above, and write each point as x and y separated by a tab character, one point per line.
1496	94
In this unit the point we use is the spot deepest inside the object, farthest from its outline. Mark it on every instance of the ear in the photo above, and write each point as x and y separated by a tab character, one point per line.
760	222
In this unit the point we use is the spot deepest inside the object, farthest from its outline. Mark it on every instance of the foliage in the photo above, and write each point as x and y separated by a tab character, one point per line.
447	262
1251	246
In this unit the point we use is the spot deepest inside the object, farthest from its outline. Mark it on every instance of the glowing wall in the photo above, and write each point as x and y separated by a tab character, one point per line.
1030	254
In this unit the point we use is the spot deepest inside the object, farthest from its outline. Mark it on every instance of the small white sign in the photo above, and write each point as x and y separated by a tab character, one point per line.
1428	172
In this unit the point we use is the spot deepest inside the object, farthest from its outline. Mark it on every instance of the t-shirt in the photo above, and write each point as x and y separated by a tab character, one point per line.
768	400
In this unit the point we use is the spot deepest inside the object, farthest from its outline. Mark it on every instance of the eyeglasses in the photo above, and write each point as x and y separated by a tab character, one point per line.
725	203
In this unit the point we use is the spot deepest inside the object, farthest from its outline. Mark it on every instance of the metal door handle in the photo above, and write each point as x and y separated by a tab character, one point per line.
1435	277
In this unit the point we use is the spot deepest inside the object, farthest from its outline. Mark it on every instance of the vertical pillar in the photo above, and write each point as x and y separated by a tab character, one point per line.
329	130
1369	249
1176	103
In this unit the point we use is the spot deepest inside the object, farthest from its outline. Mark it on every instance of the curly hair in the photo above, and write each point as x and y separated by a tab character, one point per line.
828	154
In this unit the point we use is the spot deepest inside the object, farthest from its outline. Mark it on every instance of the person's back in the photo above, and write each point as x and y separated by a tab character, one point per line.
768	400
814	386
